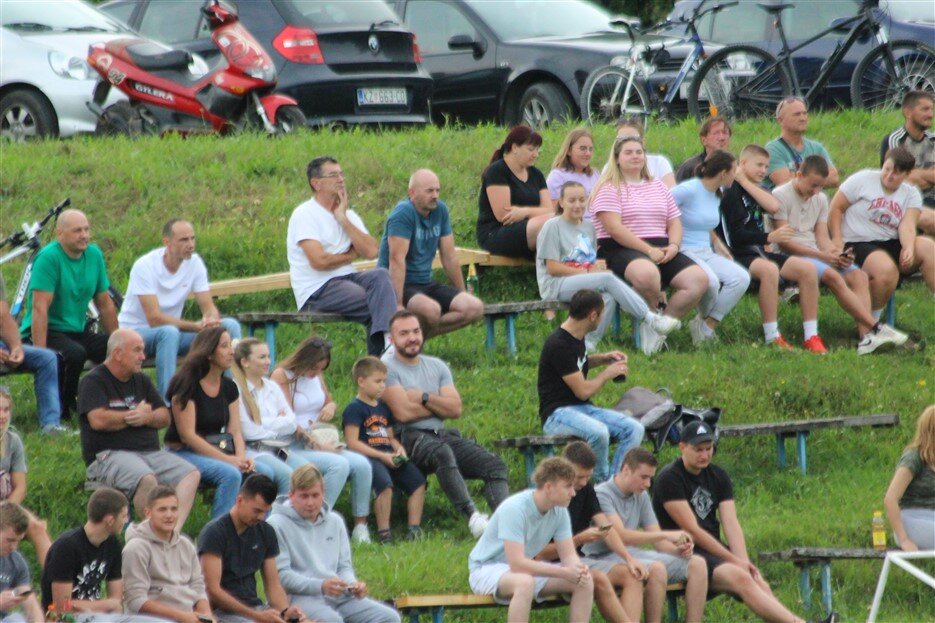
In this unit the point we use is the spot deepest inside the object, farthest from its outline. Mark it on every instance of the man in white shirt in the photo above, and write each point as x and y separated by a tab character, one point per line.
160	282
323	239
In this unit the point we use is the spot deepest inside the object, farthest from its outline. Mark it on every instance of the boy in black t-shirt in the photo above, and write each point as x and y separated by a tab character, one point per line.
368	430
617	569
696	496
233	547
744	208
83	559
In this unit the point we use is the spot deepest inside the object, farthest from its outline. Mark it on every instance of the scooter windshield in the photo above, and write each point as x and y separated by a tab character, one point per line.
244	52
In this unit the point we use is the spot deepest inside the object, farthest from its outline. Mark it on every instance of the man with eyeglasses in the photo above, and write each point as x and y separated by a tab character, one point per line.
790	148
324	237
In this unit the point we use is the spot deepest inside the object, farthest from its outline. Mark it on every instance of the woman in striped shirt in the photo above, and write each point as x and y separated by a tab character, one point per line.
639	232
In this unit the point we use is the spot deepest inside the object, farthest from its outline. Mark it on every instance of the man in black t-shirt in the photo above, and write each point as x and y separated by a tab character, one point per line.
120	416
83	559
696	496
565	391
616	569
233	547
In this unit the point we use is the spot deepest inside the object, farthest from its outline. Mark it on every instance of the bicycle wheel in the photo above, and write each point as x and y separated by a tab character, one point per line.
738	82
609	94
881	80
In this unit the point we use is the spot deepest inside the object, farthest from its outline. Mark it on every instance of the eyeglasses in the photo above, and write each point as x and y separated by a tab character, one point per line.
333	175
789	100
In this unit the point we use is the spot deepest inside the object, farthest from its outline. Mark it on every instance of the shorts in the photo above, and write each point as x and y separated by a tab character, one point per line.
603	562
485	579
779	259
438	292
509	240
821	267
123	469
862	250
407	477
711	560
619	257
676	566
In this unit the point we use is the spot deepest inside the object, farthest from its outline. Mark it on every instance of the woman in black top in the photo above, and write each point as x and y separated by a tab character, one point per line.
514	200
205	404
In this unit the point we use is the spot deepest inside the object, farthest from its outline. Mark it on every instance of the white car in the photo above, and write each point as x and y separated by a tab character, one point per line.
45	80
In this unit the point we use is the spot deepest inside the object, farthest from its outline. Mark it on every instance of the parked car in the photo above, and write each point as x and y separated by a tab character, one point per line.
748	23
45	80
515	60
344	62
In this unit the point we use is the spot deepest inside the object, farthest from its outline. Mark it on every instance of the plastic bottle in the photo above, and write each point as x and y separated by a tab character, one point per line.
471	283
879	531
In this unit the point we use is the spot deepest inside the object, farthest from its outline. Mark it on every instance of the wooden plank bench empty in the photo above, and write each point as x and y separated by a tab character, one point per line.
806	557
531	445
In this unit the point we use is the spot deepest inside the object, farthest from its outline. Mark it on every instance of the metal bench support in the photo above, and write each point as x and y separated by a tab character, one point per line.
800	450
672	606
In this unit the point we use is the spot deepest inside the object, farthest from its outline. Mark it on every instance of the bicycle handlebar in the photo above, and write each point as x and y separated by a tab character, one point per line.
20	237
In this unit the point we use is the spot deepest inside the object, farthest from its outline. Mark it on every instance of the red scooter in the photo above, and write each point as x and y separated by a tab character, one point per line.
166	97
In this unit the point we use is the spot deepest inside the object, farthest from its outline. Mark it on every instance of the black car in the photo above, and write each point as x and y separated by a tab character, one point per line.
515	60
344	62
749	23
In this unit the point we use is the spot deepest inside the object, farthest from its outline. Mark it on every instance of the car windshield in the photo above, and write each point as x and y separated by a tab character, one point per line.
325	13
911	10
524	19
55	15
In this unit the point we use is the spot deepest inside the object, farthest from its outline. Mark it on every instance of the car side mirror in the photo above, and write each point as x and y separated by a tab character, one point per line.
467	42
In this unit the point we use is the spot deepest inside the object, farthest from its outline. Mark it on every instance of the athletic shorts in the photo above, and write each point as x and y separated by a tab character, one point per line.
484	580
407	477
712	561
821	267
862	250
619	257
438	292
676	566
509	240
779	259
123	470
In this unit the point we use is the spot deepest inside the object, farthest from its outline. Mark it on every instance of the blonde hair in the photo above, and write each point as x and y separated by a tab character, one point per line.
611	175
563	157
305	477
924	440
5	394
245	349
553	469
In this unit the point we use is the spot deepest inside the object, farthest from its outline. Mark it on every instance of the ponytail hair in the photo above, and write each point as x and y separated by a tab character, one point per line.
243	350
519	135
714	164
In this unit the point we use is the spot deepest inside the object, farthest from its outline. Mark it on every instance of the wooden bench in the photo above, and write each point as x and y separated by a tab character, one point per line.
806	557
413	606
531	445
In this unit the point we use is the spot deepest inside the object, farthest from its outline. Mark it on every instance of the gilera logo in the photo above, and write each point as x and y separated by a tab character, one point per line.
153	92
373	43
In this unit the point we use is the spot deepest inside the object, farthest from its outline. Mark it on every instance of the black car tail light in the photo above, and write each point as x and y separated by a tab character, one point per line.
299	45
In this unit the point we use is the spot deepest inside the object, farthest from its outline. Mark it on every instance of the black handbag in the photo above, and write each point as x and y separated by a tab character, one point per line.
222	441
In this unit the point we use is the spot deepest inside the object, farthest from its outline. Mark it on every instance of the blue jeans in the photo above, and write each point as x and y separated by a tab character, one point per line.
43	363
597	426
224	476
167	343
335	468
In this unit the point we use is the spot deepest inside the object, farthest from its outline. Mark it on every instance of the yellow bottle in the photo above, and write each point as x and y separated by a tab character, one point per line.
471	283
879	531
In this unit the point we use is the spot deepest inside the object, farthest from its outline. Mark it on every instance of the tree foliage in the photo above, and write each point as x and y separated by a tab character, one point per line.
648	11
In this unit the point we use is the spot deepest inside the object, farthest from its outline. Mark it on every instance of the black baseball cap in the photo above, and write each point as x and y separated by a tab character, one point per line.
696	433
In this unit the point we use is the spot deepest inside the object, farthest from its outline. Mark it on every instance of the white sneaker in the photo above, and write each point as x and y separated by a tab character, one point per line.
884	338
651	341
360	534
477	524
698	331
662	324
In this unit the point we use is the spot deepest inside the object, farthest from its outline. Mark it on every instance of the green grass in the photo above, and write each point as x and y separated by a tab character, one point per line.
240	191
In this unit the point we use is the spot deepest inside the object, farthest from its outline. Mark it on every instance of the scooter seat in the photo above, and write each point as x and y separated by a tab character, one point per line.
152	57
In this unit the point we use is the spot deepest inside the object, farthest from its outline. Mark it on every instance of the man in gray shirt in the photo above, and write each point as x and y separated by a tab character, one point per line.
421	394
627	505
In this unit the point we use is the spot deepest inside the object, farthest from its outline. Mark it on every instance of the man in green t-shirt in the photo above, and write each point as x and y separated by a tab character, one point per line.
66	275
790	148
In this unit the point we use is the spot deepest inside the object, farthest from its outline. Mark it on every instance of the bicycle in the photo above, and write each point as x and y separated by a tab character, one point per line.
745	81
616	90
29	241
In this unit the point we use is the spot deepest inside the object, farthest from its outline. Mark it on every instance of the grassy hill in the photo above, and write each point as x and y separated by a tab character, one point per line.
239	193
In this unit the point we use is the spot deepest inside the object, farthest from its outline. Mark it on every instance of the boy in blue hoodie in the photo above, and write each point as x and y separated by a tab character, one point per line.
314	558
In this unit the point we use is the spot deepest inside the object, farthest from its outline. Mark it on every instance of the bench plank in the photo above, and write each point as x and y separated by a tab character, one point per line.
743	430
538	441
816	554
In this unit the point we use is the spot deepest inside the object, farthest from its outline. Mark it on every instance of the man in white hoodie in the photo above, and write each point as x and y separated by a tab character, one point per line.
161	573
314	558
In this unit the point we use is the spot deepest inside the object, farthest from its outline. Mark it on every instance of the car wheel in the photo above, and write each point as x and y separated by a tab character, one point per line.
541	104
26	115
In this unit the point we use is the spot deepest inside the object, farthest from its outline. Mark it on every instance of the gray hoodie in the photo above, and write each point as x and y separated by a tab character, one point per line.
310	551
164	572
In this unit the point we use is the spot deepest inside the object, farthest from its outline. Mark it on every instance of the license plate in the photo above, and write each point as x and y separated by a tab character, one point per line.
384	96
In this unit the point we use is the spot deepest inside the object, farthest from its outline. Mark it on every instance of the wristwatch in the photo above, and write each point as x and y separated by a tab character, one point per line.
425	398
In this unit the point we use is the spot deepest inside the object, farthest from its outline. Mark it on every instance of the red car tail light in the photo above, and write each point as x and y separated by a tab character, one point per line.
299	45
416	52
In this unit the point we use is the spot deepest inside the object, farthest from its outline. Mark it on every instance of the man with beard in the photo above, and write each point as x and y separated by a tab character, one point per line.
417	228
421	394
917	136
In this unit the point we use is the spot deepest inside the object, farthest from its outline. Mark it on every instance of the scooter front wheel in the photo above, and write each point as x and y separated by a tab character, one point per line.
122	119
289	119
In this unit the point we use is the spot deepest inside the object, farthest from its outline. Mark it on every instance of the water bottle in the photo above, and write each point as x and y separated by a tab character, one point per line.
879	531
471	283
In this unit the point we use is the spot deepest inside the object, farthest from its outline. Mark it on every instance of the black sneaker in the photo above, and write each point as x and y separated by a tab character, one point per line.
414	533
384	537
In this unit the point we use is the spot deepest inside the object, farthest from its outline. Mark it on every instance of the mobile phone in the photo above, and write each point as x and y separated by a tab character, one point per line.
22	592
620	378
604	528
204	619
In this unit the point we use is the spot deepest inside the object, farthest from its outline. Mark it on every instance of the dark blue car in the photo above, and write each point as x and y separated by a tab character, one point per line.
748	23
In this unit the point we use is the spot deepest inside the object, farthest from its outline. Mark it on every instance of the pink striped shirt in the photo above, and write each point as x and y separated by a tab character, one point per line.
644	208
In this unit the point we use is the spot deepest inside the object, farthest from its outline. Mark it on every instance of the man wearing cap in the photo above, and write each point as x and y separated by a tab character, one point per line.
696	496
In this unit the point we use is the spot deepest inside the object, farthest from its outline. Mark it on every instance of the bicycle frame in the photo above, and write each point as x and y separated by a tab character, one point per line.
16	304
864	19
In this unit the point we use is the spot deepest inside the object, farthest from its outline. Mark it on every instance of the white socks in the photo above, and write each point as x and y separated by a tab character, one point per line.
810	327
876	313
770	331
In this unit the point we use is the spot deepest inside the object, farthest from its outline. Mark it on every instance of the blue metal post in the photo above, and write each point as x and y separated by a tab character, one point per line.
490	331
826	585
530	454
635	328
616	322
270	333
414	615
673	608
805	587
800	439
511	334
438	612
890	311
781	451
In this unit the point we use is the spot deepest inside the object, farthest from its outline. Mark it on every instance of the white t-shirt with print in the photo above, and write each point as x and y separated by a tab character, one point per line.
149	276
875	214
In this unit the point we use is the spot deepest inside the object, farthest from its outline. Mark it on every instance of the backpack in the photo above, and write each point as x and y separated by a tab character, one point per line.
662	418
